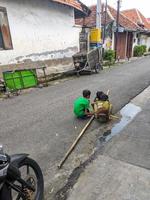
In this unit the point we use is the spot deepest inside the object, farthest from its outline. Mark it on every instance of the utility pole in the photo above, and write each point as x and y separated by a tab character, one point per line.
105	20
117	28
98	14
98	22
95	33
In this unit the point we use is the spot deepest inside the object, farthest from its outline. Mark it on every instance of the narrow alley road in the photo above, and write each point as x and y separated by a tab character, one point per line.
42	124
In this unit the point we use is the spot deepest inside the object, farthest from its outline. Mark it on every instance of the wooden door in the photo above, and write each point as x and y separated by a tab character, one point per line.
129	45
121	45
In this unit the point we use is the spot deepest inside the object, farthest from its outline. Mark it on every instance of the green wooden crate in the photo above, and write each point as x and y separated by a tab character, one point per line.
20	79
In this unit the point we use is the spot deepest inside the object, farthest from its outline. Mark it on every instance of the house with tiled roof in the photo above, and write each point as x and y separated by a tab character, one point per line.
143	37
33	30
136	16
127	30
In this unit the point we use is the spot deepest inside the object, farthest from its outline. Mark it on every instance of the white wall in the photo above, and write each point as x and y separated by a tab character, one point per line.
144	40
38	27
148	43
113	41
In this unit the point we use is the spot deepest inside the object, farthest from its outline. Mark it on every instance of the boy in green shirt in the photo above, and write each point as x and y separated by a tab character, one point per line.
82	106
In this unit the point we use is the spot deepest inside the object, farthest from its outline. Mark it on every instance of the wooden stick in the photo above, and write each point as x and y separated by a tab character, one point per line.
114	116
76	141
108	91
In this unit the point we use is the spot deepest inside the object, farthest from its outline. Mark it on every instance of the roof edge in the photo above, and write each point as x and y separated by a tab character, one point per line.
77	5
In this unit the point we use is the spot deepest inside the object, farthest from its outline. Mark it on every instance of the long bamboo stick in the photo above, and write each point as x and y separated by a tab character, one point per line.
75	142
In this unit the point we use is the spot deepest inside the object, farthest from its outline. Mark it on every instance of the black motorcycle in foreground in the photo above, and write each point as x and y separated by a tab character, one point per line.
20	178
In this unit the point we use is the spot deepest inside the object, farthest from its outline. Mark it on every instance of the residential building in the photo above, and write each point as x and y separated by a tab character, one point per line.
35	30
127	30
143	37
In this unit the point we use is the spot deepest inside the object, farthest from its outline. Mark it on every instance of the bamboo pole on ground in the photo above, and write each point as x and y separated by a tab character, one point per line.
75	142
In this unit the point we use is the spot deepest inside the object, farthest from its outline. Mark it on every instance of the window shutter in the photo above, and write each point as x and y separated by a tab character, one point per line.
5	30
6	36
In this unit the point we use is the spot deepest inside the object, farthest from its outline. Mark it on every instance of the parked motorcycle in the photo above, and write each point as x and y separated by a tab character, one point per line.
20	178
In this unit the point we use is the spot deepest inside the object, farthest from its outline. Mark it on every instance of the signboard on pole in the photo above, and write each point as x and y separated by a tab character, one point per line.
95	35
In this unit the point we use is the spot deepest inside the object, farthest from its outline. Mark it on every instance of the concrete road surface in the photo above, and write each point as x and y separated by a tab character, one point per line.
42	124
121	171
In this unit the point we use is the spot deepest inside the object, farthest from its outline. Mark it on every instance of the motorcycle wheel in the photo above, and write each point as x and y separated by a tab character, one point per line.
31	173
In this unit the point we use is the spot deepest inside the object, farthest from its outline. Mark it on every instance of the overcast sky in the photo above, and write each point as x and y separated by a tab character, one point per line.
142	5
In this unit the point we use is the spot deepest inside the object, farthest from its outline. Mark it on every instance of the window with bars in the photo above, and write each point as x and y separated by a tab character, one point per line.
5	36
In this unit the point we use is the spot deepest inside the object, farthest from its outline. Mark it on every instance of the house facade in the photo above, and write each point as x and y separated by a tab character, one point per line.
36	30
142	37
126	32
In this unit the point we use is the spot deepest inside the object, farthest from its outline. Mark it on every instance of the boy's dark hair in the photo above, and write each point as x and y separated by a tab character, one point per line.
99	94
104	97
86	93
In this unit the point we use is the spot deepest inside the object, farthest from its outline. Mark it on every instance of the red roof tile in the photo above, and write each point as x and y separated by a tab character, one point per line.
123	20
72	3
137	17
77	5
148	19
90	21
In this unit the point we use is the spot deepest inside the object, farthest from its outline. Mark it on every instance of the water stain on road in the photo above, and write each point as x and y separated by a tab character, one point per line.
128	113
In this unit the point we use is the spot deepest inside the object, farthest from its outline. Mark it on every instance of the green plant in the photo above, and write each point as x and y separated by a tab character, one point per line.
138	51
109	55
144	48
149	49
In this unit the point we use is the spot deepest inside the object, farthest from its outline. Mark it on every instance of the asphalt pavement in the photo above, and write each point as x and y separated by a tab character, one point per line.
121	170
41	122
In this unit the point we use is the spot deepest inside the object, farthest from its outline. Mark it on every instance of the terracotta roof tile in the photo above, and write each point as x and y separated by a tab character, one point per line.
136	16
72	3
81	10
90	21
123	20
148	19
